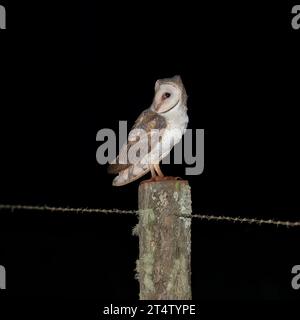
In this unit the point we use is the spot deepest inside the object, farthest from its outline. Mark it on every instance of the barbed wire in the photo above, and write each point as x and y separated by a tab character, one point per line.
64	209
255	221
206	217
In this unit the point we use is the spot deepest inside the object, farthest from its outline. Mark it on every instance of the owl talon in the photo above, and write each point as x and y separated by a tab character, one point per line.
172	178
158	178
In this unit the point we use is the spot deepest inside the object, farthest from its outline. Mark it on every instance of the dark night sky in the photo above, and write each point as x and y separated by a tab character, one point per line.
71	71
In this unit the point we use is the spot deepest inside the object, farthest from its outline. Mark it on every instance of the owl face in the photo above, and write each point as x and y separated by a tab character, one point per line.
169	93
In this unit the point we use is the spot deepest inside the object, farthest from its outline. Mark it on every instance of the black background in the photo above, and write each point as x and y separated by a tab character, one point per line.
67	72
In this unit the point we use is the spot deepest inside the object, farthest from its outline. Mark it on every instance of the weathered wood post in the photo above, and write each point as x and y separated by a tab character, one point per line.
164	265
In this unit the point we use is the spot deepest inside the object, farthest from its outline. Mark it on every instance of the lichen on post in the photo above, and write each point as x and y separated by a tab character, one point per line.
164	230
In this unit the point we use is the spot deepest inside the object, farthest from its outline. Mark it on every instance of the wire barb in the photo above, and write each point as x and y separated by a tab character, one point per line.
255	221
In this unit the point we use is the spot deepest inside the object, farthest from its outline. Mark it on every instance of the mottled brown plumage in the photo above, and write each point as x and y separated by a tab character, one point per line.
147	121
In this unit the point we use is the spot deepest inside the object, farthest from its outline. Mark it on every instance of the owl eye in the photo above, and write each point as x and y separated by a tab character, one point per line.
166	95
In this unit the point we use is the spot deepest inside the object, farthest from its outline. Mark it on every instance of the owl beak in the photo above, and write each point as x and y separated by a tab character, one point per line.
157	107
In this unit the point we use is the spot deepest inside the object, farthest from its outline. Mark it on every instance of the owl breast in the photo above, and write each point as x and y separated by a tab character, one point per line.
177	121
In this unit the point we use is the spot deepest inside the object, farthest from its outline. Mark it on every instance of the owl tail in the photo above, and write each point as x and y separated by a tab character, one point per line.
130	174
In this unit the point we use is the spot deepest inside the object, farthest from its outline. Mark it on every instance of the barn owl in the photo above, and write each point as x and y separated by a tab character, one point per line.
163	125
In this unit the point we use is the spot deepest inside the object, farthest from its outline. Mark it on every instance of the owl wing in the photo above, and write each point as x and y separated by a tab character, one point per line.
128	172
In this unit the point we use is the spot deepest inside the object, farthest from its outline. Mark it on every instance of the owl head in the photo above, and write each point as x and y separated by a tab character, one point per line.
169	93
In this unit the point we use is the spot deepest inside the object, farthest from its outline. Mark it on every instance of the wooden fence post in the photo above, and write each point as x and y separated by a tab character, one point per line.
164	265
